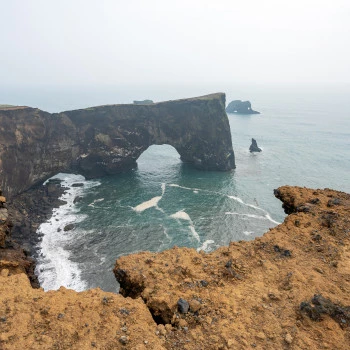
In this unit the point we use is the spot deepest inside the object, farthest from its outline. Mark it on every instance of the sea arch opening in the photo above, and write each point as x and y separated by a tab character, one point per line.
159	158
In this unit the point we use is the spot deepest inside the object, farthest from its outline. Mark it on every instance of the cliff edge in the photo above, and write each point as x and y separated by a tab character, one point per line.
286	290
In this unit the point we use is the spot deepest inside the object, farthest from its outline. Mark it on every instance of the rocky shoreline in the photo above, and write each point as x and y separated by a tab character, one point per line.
285	290
25	214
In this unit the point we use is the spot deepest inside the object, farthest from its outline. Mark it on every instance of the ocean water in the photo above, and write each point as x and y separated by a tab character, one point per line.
305	138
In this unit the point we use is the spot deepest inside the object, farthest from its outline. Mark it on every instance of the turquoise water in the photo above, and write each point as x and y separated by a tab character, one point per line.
305	139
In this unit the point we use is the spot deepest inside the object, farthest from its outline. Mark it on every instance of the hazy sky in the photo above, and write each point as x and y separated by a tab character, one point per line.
88	42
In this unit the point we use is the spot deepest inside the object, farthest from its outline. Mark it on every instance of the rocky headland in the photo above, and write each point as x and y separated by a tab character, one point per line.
98	141
285	290
240	107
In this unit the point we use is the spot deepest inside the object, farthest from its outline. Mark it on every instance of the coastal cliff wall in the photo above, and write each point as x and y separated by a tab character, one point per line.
98	141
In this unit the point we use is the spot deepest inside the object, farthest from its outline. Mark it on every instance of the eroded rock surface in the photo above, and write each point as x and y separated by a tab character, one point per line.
109	139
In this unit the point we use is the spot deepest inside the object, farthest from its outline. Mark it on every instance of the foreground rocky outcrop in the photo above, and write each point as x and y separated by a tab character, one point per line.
286	290
64	319
240	107
98	141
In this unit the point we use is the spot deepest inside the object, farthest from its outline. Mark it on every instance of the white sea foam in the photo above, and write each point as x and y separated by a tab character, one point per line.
186	188
182	215
148	204
194	233
265	217
248	233
54	267
205	245
153	202
272	220
163	188
239	200
96	201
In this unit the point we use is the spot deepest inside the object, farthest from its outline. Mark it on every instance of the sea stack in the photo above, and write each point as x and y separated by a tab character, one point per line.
240	107
254	147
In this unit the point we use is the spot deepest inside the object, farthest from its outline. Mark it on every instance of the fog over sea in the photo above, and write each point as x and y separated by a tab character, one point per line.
305	137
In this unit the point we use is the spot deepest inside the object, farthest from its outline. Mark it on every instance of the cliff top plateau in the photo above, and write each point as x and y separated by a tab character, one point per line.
286	290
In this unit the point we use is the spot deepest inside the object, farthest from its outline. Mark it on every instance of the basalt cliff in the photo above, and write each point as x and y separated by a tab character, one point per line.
286	290
34	145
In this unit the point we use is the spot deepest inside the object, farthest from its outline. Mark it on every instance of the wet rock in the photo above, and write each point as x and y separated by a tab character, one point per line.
69	227
183	306
254	147
79	184
77	199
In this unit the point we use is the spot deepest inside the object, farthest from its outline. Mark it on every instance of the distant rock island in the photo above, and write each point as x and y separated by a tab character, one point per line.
254	147
144	102
240	107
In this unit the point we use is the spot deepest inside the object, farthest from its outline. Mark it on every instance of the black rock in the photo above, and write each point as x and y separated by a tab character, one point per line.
183	306
204	283
68	227
332	202
240	107
79	184
254	147
77	199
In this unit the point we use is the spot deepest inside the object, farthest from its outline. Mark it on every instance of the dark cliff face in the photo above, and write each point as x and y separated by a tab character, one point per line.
98	141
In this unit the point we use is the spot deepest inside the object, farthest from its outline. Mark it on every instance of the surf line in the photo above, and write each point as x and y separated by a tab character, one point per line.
54	265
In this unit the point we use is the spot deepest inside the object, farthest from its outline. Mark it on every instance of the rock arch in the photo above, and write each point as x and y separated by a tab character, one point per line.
98	141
